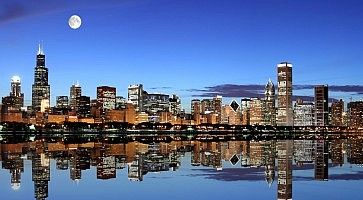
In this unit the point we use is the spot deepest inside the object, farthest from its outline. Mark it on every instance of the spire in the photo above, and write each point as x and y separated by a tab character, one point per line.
40	50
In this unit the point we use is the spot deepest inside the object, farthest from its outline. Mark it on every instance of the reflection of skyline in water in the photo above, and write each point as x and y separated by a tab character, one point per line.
272	161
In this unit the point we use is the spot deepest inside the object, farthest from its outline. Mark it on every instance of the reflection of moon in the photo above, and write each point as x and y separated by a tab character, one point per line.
74	22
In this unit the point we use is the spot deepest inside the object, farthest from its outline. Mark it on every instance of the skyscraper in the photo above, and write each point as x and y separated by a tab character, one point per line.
135	95
270	112
16	99
284	88
175	105
107	97
40	88
321	105
337	109
74	92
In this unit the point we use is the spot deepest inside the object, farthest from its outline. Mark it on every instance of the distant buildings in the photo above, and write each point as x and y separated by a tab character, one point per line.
284	92
41	87
15	100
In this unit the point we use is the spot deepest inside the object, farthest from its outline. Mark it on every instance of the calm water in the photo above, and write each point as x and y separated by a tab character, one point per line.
182	170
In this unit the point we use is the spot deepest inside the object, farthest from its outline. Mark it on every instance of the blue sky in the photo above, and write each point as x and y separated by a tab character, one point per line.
180	45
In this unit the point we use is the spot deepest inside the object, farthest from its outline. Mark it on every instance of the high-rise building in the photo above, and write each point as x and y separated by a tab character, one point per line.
337	109
195	110
355	113
83	106
303	113
174	105
284	167
257	111
321	105
107	97
284	88
16	99
74	92
62	102
270	109
245	107
135	95
155	102
120	103
217	107
41	87
206	106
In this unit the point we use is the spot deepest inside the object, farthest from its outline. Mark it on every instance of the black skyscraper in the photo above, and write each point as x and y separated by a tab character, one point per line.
41	88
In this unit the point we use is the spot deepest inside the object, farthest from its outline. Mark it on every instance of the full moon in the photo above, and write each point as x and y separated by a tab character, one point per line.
74	22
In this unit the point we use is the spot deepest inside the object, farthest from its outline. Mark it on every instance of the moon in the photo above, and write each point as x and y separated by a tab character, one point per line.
75	22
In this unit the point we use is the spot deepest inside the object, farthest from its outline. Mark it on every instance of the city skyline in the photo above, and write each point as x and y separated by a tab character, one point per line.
224	42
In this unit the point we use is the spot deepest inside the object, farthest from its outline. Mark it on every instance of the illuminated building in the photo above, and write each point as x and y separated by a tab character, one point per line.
74	92
107	97
135	96
337	110
257	111
15	101
156	102
206	106
40	88
134	169
270	109
303	113
83	106
196	110
231	114
284	92
174	105
246	107
217	107
120	103
62	102
355	112
321	105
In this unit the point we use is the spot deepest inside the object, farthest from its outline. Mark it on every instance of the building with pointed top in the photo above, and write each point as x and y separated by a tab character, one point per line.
41	87
270	109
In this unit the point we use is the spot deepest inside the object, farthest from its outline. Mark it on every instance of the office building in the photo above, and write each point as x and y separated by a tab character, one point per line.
135	96
270	109
303	113
355	113
284	92
41	87
337	110
62	102
174	105
74	92
321	105
106	96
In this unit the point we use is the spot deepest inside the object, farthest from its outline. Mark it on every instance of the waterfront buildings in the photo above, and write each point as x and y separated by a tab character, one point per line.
284	92
174	105
15	100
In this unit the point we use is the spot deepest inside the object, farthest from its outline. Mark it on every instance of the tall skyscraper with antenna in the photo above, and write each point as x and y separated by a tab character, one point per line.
41	87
